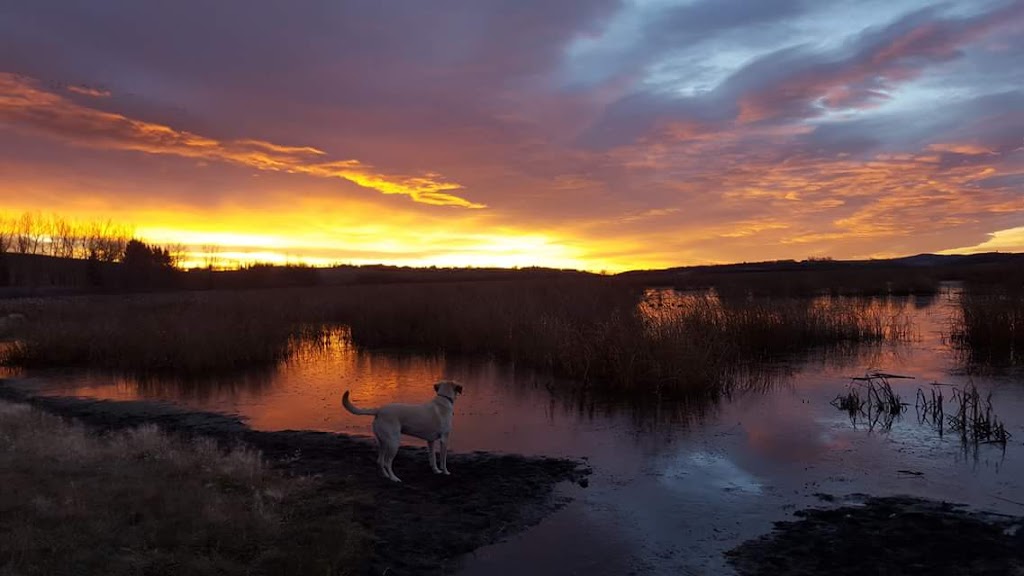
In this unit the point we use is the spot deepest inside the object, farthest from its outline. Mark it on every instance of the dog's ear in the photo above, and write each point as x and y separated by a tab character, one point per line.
437	387
458	388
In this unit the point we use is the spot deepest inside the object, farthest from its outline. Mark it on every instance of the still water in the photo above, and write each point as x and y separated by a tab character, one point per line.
672	488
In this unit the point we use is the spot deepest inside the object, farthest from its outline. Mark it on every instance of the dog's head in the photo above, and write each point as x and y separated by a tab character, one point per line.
448	388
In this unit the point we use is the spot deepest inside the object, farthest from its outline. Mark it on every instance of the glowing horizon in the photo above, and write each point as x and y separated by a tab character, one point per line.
612	136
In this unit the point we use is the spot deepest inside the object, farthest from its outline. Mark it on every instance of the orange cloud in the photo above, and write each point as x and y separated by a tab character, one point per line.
753	192
962	148
24	103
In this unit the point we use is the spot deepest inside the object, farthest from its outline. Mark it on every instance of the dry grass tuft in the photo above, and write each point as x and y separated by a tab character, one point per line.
136	502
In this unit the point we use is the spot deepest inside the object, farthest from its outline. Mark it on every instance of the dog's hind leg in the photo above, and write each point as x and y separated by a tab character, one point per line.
382	461
390	451
432	456
387	448
444	455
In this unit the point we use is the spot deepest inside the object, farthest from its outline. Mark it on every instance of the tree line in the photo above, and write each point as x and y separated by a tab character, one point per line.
53	235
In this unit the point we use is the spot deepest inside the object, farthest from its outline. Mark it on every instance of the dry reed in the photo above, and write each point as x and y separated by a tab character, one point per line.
604	333
872	398
989	326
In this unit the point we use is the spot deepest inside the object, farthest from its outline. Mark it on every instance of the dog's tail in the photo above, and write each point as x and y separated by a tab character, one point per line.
353	409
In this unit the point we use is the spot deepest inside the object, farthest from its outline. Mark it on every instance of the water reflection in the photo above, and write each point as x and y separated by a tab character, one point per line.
304	391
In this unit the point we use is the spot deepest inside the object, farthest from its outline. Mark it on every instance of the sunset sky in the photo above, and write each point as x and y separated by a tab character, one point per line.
598	135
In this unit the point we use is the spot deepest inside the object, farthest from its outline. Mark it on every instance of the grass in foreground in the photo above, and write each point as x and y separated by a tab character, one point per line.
142	502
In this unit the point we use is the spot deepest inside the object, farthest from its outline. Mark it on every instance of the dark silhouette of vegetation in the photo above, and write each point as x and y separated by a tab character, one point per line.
592	330
989	328
915	275
146	267
52	235
189	334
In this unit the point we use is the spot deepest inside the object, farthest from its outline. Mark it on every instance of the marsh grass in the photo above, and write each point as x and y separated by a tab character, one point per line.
137	502
604	333
190	334
609	335
989	325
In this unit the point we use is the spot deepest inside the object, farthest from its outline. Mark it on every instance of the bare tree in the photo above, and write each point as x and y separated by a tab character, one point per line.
211	255
28	234
106	241
81	242
48	243
6	234
177	253
119	237
53	235
62	238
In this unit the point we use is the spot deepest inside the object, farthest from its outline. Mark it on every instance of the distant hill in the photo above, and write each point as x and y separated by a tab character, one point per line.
919	260
910	274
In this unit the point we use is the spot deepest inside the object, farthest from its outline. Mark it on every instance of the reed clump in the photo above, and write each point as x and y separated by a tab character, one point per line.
872	398
989	326
974	418
972	415
191	334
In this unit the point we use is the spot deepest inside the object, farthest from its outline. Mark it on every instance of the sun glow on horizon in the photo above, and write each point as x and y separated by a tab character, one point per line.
223	249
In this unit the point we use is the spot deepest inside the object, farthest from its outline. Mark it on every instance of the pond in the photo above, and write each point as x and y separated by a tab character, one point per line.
673	486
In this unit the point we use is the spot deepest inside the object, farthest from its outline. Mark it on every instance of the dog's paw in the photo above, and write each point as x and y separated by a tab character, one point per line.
447	473
437	471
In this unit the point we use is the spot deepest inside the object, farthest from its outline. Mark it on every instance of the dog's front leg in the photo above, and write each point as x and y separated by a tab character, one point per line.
432	456
444	454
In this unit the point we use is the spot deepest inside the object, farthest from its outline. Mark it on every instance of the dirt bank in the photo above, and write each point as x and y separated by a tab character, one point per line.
893	536
422	526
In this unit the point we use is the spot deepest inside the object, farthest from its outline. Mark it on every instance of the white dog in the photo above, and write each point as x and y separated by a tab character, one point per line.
431	422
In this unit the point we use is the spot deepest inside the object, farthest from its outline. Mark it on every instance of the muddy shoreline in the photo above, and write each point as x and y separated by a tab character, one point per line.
896	536
423	526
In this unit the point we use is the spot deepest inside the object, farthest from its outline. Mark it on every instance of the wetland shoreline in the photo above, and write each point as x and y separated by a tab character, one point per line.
422	526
